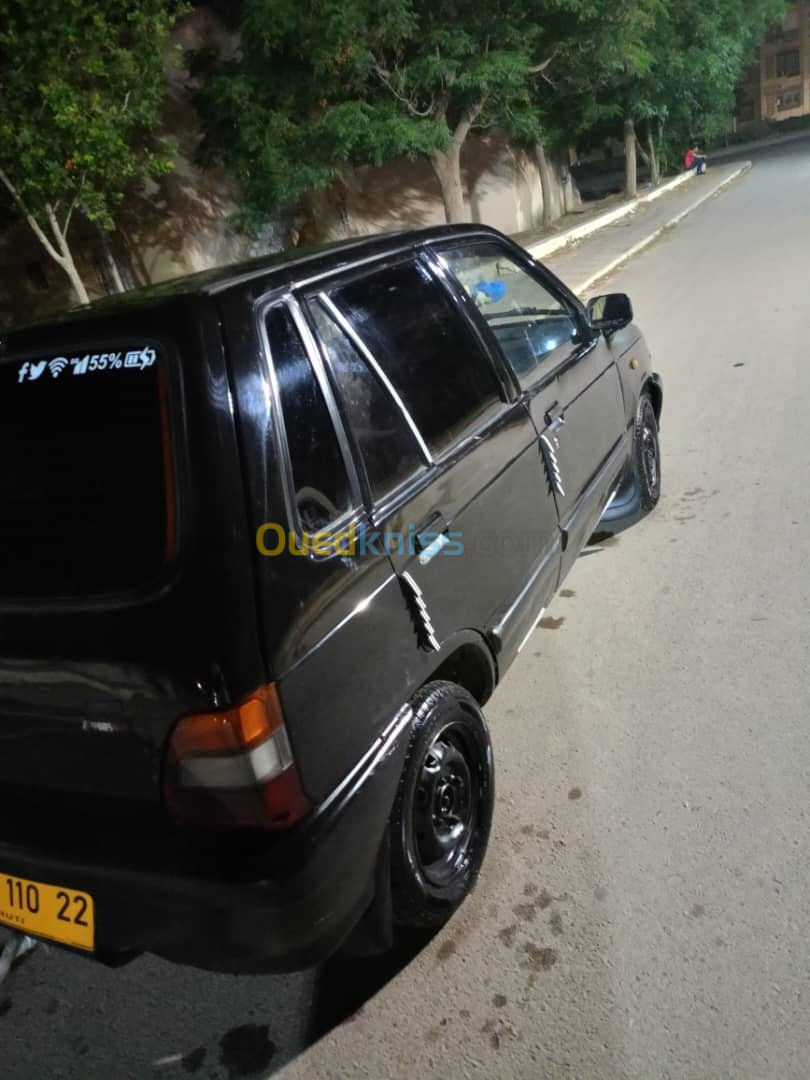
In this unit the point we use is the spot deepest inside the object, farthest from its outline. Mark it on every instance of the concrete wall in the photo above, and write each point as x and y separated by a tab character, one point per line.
502	183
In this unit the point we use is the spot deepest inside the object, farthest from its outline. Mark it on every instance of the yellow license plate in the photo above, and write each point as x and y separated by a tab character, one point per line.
49	911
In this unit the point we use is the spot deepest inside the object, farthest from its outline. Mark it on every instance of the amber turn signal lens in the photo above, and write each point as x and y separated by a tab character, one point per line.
235	768
253	720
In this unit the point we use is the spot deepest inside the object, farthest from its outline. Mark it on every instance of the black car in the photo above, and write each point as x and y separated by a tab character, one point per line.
271	536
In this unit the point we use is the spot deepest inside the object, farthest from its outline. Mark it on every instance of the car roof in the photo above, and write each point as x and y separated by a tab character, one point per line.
301	263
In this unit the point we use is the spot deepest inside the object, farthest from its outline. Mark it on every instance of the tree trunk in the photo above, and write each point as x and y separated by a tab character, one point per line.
137	265
447	167
61	254
69	266
546	183
570	198
631	167
655	169
642	153
65	256
109	259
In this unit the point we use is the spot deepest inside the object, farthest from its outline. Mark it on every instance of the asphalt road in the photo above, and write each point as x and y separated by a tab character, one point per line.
645	905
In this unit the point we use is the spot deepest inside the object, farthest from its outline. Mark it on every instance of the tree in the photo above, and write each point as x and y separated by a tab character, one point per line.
81	85
362	81
716	41
681	75
578	95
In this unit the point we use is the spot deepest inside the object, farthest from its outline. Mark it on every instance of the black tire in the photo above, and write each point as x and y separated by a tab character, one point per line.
647	455
443	807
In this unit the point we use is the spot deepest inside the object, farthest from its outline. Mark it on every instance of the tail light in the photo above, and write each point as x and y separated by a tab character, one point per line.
235	769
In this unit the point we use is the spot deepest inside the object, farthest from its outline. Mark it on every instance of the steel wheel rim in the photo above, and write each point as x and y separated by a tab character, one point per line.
650	454
446	803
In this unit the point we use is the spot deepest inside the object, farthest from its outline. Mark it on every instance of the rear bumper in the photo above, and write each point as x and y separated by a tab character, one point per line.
287	909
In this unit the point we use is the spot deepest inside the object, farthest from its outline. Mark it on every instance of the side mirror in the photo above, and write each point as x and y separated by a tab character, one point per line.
609	313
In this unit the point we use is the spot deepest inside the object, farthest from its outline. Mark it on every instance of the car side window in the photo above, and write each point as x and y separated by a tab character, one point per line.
322	491
389	449
409	323
533	326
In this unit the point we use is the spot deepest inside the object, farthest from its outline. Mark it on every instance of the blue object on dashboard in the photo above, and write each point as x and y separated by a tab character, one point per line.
493	290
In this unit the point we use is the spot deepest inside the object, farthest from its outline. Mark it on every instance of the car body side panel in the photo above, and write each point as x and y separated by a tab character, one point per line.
345	689
634	365
326	622
494	500
593	446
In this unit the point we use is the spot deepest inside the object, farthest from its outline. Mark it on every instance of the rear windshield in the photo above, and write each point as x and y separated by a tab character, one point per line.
86	499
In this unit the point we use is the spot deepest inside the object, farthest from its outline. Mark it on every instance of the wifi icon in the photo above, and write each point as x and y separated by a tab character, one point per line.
57	366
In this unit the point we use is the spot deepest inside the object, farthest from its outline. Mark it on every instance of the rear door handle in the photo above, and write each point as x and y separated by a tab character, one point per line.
554	413
431	537
555	418
432	527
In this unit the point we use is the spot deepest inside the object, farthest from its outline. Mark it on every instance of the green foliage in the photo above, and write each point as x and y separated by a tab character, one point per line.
360	81
334	81
689	56
607	44
81	83
324	83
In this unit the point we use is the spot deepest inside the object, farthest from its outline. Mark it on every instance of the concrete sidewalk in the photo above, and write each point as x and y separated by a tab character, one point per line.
581	265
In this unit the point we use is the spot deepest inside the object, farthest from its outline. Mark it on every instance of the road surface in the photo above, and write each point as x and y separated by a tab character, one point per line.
645	905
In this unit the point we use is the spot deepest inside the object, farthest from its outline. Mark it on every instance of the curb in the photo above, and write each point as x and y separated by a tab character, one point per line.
654	235
545	248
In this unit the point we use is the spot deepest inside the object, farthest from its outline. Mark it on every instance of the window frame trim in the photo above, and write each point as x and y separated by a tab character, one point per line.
356	512
369	501
789	51
310	291
420	255
338	315
510	387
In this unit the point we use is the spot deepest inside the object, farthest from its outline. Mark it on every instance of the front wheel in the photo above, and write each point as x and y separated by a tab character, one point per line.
442	815
647	455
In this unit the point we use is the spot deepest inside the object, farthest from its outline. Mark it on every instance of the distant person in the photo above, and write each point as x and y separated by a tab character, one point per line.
695	160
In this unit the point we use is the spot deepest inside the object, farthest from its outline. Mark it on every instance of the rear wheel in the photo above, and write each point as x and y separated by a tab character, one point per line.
442	816
647	456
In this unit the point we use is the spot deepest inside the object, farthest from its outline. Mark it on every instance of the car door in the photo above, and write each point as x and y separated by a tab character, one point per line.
566	372
326	607
470	524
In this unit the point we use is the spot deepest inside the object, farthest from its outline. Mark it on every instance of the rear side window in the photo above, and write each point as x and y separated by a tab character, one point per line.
86	489
321	485
388	446
411	327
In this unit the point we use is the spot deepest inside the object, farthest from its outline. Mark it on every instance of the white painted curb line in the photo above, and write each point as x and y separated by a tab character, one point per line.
642	244
545	248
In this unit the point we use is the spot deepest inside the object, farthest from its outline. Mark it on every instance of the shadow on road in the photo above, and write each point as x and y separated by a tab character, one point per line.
345	983
62	1015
